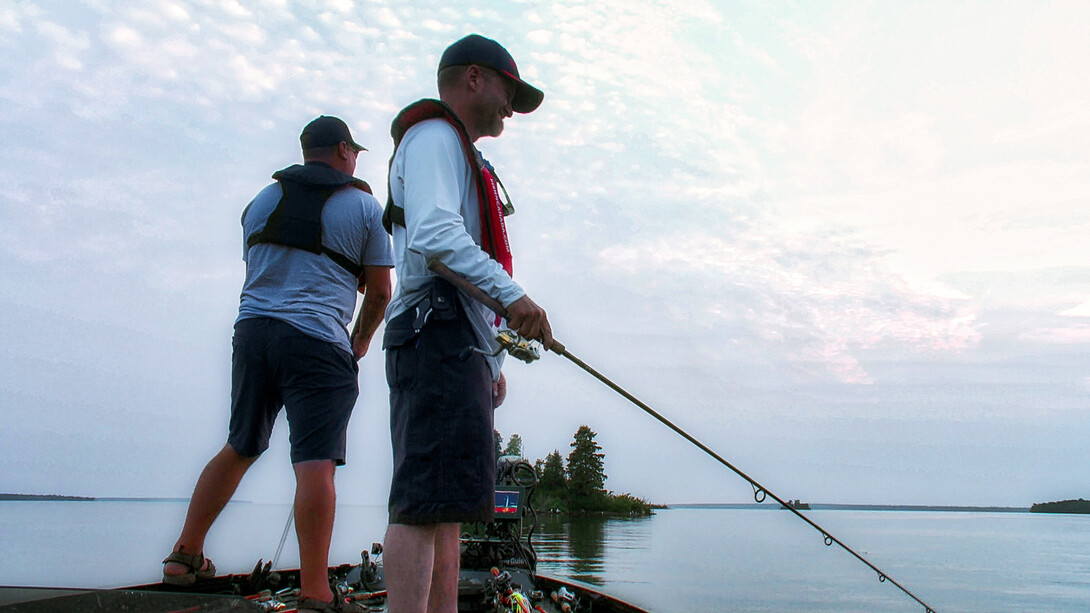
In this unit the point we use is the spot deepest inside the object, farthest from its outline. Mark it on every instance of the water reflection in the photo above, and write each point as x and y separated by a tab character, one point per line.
576	547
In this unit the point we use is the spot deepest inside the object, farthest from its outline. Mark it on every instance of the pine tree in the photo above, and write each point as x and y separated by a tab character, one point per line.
497	438
586	475
552	487
552	474
514	446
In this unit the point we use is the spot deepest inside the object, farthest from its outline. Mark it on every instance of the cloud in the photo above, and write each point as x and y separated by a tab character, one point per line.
124	36
1083	310
1046	290
174	11
437	26
68	45
1071	335
823	298
9	20
386	18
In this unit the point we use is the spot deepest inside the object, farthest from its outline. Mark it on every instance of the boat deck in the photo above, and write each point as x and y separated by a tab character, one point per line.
275	591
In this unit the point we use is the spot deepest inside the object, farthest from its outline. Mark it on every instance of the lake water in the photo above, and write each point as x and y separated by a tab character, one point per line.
679	561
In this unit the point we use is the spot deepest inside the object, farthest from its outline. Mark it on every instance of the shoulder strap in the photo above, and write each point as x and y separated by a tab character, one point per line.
297	219
411	115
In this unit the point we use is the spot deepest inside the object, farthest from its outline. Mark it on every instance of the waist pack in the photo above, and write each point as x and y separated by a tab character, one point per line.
440	303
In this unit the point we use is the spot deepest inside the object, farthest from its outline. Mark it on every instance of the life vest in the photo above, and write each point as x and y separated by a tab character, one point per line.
493	230
297	219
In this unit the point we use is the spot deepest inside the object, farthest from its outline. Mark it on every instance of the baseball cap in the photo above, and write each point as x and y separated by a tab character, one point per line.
476	49
326	131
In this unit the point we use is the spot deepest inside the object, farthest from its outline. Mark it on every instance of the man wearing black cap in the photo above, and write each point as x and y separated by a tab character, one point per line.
445	206
312	240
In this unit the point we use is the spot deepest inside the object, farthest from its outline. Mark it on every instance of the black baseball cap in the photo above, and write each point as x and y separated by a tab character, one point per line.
476	49
327	131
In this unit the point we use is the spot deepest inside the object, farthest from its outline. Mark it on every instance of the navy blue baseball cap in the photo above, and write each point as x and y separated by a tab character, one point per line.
476	49
327	131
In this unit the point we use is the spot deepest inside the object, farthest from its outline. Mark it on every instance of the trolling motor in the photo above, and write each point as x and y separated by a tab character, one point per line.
500	543
500	553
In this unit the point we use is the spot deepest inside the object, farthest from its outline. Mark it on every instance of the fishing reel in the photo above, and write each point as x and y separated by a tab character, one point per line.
509	341
518	347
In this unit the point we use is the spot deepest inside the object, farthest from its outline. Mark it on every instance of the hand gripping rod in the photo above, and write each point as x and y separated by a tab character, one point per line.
760	492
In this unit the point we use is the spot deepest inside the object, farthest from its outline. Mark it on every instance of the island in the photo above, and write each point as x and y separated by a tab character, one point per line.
577	487
43	497
7	497
1063	506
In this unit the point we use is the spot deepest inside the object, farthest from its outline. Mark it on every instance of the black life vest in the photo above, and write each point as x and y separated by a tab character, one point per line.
297	219
493	233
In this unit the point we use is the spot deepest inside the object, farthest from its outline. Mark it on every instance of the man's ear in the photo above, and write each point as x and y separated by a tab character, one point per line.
474	77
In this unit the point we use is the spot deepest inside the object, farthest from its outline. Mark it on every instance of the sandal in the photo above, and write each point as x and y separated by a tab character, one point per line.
339	605
200	568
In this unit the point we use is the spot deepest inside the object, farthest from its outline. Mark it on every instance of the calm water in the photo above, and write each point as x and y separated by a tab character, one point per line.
679	561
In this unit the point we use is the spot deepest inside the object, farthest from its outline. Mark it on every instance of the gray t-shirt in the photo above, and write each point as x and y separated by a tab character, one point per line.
307	290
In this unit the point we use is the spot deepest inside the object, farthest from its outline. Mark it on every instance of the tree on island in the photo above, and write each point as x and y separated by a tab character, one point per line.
514	446
586	472
552	473
579	488
552	485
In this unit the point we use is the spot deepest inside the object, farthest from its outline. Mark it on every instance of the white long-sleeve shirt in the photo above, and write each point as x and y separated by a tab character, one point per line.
433	182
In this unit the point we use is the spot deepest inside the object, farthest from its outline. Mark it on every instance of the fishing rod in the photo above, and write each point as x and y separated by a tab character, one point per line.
284	536
522	349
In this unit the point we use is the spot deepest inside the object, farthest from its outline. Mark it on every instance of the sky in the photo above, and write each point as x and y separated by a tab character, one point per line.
841	243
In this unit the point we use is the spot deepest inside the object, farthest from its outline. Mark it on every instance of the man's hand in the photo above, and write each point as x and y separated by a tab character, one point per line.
359	345
499	391
530	321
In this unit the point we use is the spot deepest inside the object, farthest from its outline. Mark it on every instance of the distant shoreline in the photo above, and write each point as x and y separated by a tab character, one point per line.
44	498
60	498
854	507
695	505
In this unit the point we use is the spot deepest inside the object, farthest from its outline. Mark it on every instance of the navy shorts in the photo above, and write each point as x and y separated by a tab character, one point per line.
275	365
440	417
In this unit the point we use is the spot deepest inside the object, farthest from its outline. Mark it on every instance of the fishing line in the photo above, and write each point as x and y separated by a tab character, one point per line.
519	348
760	492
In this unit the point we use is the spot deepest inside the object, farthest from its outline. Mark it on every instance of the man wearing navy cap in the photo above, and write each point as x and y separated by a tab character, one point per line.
446	205
312	240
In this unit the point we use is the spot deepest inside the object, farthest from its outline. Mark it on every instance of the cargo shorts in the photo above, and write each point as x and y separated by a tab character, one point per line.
440	415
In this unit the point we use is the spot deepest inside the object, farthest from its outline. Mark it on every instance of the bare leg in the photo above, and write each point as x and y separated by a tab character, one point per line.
315	506
409	554
443	597
213	491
